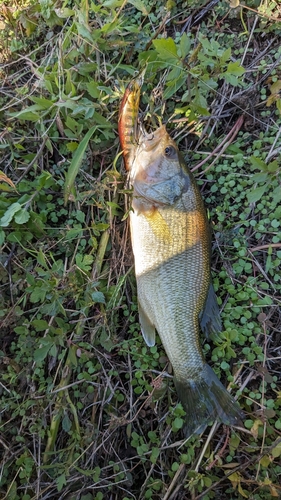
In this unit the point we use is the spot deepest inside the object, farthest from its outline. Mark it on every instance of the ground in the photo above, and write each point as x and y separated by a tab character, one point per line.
88	411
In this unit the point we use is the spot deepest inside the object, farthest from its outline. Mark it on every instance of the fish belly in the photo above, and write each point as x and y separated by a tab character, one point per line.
172	280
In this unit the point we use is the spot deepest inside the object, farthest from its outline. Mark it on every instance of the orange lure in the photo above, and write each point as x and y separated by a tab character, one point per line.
128	120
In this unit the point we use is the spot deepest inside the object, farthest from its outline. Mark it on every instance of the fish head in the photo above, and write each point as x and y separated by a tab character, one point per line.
157	172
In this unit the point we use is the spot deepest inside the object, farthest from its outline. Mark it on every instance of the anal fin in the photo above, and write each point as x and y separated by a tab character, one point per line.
147	328
209	317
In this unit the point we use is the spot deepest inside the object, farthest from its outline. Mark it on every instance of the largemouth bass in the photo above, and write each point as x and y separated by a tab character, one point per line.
171	244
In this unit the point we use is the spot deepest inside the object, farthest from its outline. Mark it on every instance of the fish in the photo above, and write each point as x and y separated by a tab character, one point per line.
171	244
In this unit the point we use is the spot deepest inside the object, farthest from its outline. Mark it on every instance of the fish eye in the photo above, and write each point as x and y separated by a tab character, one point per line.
169	151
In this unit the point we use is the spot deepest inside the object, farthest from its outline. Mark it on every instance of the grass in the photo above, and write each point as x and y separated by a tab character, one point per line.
88	411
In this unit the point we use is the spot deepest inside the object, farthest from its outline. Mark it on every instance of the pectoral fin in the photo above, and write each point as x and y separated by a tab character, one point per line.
210	316
147	328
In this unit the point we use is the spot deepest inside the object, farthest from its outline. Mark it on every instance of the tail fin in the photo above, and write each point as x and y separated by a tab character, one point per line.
205	400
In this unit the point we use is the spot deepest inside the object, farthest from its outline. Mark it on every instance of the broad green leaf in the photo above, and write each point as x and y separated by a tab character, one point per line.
276	195
22	216
234	68
139	5
101	121
76	164
40	325
154	455
259	177
66	423
61	482
258	163
175	73
64	12
41	102
273	166
38	294
72	355
98	297
73	234
84	32
72	146
185	45
177	423
9	214
256	194
41	353
93	90
276	452
84	262
167	50
2	236
225	56
173	86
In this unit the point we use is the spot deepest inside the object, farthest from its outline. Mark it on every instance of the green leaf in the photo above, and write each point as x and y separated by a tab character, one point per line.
174	86
276	195
38	294
276	452
258	163
185	45
154	455
41	102
2	236
74	233
40	325
9	214
235	69
273	166
84	262
260	177
41	353
98	297
256	194
177	423
139	5
61	482
22	216
64	13
225	56
66	423
76	164
167	50
93	90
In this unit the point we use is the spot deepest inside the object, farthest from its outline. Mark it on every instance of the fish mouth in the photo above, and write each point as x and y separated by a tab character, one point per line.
148	141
